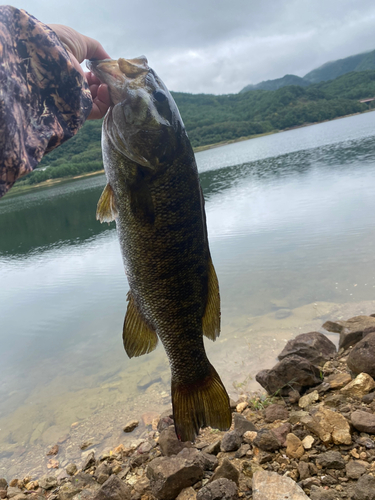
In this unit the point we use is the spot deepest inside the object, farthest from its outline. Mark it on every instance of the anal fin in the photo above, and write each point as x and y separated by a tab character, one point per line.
106	210
137	335
211	318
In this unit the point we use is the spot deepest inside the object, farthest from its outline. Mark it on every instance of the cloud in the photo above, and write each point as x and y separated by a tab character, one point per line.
216	46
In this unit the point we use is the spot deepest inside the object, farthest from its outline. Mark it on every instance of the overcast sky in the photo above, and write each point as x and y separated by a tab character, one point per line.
219	46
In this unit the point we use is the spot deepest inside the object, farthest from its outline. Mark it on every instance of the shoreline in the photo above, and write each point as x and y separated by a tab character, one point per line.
17	190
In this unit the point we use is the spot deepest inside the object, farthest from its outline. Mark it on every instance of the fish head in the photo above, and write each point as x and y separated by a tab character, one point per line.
143	122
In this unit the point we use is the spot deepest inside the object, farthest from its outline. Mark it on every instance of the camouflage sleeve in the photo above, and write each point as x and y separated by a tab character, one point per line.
43	99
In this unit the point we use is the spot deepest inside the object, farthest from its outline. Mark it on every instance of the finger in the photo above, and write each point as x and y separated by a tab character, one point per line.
94	49
94	90
103	94
99	109
92	79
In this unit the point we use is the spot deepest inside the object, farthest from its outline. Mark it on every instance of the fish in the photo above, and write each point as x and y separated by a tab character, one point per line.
154	195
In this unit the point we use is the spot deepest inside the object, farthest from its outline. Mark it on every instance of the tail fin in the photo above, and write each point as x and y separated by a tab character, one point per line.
200	404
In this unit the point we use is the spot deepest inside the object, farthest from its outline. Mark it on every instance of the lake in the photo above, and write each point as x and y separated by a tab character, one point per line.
291	222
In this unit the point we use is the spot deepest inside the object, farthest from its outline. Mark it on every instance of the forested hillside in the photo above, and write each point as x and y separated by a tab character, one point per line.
211	119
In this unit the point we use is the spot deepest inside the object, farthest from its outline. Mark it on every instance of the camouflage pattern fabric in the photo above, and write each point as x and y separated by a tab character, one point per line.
43	99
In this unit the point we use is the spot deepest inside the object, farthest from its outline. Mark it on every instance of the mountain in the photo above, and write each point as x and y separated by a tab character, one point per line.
329	71
334	69
278	83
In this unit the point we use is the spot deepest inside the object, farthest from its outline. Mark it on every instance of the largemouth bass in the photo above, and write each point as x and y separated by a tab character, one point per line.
153	193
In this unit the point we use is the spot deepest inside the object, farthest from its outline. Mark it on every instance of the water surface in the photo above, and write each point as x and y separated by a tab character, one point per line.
291	221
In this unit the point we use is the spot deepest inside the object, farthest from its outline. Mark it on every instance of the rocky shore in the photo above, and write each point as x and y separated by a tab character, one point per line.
311	436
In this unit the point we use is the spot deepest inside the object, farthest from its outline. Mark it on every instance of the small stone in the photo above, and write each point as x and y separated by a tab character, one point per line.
331	460
54	450
338	380
3	483
242	450
242	406
71	469
227	470
296	416
3	493
208	462
276	412
294	447
48	482
89	461
360	386
303	470
307	442
272	486
363	421
308	399
102	478
32	485
355	469
113	489
249	436
187	494
164	423
53	464
68	491
169	444
148	417
131	425
213	448
293	397
13	483
242	425
365	488
12	491
221	489
170	475
281	432
266	440
231	441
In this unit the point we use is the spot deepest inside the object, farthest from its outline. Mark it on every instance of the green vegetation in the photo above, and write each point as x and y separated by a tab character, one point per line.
334	69
278	83
211	119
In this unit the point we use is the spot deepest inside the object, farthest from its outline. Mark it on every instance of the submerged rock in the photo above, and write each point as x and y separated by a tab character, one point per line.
352	330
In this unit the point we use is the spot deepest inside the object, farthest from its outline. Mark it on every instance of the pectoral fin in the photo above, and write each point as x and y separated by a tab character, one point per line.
106	210
137	336
211	318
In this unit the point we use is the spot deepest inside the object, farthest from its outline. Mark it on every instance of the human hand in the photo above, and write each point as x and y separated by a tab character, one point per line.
81	47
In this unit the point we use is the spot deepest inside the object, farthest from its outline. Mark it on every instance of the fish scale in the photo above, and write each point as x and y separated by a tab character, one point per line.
153	193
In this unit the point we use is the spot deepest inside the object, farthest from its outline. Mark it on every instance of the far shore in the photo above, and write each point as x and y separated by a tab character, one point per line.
19	189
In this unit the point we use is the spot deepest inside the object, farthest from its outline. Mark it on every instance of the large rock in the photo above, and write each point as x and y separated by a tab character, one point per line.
271	486
352	330
292	372
363	421
314	346
362	357
170	475
113	489
221	489
365	488
360	386
169	444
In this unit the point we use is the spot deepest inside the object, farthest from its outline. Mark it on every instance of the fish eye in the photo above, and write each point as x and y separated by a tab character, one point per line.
159	95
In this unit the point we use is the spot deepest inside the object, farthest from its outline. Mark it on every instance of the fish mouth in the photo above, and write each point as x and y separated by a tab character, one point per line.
119	74
112	72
